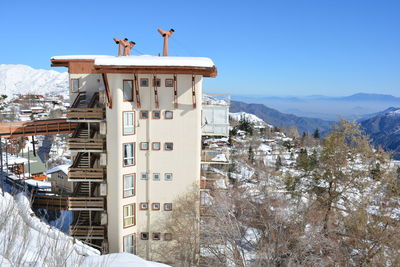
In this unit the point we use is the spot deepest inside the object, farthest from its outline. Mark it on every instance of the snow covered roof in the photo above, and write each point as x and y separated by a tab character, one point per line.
63	168
143	60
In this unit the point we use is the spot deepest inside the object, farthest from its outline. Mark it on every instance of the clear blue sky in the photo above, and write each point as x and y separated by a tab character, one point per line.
281	47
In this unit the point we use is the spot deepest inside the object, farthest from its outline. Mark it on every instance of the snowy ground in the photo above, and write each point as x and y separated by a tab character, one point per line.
27	241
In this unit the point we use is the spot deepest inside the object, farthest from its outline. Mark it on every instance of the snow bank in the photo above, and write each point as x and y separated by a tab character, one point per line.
27	241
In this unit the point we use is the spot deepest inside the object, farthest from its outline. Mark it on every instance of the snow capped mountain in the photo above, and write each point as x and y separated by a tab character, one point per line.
22	79
250	117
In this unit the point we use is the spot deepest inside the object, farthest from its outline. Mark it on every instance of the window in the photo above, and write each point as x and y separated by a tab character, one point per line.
144	146
129	185
156	145
156	115
144	114
167	236
169	115
155	206
129	122
129	244
129	215
167	206
144	236
168	176
144	82
156	176
156	82
156	236
144	176
129	154
169	82
75	85
169	146
128	90
144	206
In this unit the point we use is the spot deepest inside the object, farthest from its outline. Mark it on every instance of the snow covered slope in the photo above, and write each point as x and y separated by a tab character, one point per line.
250	117
27	241
22	79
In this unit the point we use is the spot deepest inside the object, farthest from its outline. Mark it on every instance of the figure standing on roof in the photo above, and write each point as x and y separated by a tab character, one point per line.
121	45
166	35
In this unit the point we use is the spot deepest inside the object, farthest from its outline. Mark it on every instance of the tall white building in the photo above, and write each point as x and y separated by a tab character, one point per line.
138	144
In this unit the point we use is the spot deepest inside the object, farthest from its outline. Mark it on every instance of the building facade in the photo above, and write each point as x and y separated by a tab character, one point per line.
138	145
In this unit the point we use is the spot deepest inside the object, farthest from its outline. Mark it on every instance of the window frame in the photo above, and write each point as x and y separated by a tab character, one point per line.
165	115
123	185
141	116
169	80
159	146
166	144
141	208
167	204
133	215
144	149
155	203
123	123
134	154
123	91
141	235
159	176
141	176
156	233
144	79
154	112
72	85
165	176
165	236
134	243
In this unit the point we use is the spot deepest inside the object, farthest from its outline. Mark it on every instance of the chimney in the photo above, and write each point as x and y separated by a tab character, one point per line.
166	35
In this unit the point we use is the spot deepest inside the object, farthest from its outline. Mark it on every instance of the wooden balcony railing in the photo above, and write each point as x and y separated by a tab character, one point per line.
68	203
87	232
86	144
86	113
86	174
86	203
215	156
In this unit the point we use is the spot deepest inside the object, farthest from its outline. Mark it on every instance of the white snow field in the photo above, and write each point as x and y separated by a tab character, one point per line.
27	241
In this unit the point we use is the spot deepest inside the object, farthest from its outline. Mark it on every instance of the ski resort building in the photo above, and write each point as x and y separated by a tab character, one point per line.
138	144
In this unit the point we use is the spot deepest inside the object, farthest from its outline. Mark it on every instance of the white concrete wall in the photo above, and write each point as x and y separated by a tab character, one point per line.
184	130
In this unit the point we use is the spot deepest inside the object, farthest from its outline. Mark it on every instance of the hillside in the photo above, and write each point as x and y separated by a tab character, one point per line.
276	118
22	79
384	130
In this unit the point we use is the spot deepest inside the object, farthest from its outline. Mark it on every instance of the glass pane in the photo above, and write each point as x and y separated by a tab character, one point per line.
129	123
75	85
128	92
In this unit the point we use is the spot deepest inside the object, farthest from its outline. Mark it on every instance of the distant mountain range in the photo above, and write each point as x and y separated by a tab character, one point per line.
276	118
353	107
384	130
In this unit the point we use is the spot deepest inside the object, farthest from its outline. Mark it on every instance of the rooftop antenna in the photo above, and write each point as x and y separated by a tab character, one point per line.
166	35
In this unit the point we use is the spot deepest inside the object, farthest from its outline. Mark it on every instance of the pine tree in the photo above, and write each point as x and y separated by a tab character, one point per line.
251	154
316	133
278	163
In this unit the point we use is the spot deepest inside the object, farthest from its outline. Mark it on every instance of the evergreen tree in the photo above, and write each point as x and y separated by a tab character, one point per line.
251	154
316	133
278	163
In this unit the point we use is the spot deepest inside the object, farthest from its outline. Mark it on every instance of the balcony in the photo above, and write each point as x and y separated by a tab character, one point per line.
215	156
87	232
86	144
86	174
68	203
86	114
213	174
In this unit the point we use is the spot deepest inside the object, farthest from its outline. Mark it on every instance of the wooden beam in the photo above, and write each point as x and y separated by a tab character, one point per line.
194	91
137	92
175	92
155	91
108	93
